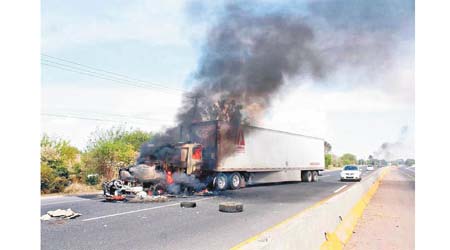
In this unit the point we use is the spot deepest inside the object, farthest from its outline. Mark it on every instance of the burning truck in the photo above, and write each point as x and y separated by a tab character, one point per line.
221	155
247	59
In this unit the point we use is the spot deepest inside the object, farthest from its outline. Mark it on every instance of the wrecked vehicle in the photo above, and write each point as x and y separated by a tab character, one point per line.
224	156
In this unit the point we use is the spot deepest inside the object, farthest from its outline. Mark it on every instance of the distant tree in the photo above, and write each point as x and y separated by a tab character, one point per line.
328	160
336	161
57	157
136	138
400	161
328	147
370	160
108	150
348	159
361	162
410	162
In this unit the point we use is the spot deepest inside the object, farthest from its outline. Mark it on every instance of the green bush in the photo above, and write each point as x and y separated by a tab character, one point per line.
111	149
59	184
57	156
92	179
62	171
47	178
51	182
328	160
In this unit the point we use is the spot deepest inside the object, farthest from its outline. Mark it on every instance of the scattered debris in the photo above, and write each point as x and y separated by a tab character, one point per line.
60	214
204	192
115	198
188	204
231	207
46	217
141	195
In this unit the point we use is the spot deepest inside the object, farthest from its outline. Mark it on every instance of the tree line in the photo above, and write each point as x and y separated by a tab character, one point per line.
64	166
333	161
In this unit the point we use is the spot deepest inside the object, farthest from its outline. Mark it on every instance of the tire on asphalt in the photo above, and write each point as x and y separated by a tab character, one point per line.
221	182
188	204
231	207
306	176
234	180
315	176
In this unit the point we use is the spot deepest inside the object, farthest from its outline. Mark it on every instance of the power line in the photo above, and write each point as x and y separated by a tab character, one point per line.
113	73
103	78
113	115
78	117
95	73
88	118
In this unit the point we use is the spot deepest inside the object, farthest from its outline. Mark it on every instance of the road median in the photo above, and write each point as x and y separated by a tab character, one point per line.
327	224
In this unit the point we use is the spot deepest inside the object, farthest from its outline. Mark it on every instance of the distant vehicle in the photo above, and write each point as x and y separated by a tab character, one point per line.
351	172
370	168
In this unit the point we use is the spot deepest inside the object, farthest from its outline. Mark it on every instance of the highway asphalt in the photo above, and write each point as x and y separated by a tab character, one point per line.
166	225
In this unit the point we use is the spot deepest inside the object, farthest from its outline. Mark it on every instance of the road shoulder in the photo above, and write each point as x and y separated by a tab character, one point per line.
388	220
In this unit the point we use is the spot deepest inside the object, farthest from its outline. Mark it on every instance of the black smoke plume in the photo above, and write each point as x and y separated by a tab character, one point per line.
246	60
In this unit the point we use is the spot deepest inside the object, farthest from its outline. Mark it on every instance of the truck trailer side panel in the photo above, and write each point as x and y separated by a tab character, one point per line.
264	150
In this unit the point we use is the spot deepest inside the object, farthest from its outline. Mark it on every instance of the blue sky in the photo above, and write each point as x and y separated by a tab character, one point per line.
160	42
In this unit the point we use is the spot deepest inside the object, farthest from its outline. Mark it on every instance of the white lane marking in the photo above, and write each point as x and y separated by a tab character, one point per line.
64	202
339	189
410	170
144	209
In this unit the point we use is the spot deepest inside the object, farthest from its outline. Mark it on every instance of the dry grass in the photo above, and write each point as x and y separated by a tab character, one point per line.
75	188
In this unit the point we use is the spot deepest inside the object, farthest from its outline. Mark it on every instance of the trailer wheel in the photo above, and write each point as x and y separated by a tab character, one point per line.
235	180
315	176
231	207
221	182
306	176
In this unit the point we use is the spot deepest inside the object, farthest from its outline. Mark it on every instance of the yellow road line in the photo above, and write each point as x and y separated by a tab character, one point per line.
254	238
343	232
299	214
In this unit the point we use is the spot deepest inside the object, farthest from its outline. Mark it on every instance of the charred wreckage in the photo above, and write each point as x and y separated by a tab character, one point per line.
171	168
220	155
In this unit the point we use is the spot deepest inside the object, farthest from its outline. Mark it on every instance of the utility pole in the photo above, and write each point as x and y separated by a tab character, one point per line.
195	108
194	113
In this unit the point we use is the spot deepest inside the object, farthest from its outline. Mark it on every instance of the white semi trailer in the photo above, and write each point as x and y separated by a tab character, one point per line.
225	155
237	155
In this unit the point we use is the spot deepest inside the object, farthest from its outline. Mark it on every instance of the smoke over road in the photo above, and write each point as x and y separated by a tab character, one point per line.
254	51
247	58
394	150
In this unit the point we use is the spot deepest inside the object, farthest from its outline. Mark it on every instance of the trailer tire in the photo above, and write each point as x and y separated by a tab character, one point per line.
221	182
231	207
306	176
235	180
315	176
188	204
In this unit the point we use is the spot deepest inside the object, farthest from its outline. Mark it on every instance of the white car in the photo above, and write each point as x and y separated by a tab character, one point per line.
370	168
351	172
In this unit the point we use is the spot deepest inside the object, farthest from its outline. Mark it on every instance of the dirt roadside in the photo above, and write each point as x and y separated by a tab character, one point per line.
388	221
